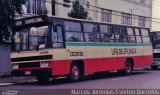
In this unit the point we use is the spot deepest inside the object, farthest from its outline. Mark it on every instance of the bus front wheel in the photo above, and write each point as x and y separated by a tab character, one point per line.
75	73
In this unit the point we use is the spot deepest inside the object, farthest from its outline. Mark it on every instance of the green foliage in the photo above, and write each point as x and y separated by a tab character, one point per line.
8	10
42	11
78	11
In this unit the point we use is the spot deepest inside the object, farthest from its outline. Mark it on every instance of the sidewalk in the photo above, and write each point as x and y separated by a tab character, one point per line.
9	79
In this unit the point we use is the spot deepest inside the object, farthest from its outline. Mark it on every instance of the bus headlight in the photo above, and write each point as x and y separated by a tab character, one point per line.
15	66
44	64
157	62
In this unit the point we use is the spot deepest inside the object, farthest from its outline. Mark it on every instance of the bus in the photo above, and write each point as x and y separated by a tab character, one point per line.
155	38
48	47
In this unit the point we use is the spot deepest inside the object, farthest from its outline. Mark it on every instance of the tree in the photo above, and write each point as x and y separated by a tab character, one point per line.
8	11
78	11
42	11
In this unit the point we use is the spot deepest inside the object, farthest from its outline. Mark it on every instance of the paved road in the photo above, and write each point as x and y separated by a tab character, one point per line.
143	79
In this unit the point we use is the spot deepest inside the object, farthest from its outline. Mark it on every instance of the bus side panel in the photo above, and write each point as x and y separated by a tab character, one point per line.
137	60
90	65
99	64
148	60
61	67
141	61
121	63
103	64
107	64
144	59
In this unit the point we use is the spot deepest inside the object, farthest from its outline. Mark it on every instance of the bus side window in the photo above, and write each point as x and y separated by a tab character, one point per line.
91	32
73	31
123	36
131	35
120	34
57	38
138	35
106	33
145	35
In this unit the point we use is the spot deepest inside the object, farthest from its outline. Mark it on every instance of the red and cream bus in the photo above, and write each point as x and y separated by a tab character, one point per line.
48	47
155	38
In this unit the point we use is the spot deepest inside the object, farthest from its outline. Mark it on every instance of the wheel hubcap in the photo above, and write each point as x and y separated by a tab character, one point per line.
75	72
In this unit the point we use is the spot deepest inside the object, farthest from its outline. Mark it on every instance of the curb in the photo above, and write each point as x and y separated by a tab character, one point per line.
15	80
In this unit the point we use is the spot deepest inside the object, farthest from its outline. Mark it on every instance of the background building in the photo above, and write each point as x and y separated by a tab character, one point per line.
5	62
128	12
155	15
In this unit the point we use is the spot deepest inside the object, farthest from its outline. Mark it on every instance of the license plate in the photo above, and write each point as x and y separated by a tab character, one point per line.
27	72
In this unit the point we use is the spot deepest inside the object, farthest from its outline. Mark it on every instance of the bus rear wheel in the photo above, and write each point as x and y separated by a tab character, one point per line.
75	73
128	68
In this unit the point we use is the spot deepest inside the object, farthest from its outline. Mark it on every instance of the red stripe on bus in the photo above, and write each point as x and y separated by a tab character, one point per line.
99	64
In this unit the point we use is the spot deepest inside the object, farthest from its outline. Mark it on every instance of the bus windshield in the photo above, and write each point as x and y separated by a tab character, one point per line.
155	36
30	39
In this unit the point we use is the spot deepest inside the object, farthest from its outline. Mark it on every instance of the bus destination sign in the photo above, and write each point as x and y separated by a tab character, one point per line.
31	21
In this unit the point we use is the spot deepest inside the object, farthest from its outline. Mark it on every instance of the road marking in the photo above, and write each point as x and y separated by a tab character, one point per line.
60	77
30	81
25	81
119	79
6	84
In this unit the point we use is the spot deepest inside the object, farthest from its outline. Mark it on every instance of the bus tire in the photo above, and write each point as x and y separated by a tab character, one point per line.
128	68
154	67
75	73
43	78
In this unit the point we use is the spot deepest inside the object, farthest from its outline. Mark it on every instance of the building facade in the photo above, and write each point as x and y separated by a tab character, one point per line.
127	12
155	15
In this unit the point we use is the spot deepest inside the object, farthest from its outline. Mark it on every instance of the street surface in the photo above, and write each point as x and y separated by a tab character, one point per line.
141	79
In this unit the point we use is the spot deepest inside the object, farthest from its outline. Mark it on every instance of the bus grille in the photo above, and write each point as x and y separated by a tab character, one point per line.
156	55
32	58
29	65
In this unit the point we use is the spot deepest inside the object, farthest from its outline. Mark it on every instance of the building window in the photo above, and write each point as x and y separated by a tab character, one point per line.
36	6
106	15
142	21
53	8
143	1
126	19
66	1
85	2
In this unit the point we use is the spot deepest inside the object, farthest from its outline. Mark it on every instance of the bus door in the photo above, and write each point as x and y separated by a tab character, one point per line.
58	40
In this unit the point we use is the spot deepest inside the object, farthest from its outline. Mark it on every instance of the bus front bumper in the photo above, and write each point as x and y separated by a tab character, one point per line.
31	72
155	65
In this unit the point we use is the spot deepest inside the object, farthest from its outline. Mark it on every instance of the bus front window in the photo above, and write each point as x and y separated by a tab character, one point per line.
38	37
155	40
30	39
